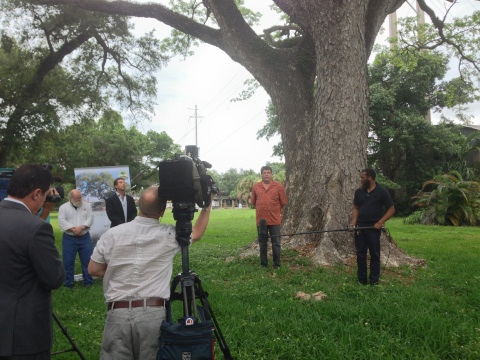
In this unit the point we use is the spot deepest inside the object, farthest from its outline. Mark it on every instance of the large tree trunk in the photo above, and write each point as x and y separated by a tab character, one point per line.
325	143
325	137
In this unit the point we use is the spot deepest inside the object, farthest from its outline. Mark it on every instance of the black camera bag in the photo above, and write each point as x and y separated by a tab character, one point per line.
186	342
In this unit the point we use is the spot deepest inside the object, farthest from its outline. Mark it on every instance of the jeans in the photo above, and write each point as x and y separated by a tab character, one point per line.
132	334
274	232
70	246
368	240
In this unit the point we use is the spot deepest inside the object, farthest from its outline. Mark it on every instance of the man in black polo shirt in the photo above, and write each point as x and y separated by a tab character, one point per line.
373	206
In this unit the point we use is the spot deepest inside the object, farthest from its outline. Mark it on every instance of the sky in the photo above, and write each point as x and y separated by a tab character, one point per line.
194	96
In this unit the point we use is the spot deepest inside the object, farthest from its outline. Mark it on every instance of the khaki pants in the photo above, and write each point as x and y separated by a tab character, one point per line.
132	334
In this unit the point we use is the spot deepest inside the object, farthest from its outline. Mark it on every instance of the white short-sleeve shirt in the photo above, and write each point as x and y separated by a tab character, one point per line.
139	255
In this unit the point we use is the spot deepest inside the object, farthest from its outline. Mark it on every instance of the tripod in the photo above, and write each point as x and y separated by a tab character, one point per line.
190	289
65	332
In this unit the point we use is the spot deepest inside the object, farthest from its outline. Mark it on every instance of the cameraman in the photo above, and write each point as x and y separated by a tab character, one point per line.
30	267
136	260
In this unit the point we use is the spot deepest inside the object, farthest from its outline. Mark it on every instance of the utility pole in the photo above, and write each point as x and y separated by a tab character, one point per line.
196	124
392	27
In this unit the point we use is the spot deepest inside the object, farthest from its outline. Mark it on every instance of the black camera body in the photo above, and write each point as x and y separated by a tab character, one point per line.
185	182
56	198
184	179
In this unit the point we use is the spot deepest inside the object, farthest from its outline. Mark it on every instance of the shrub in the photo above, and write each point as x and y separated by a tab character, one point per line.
452	201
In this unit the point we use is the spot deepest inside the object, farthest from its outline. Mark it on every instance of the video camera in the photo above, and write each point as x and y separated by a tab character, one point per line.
60	190
185	182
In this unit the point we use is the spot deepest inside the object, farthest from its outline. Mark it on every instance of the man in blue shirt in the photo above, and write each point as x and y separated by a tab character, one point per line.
373	206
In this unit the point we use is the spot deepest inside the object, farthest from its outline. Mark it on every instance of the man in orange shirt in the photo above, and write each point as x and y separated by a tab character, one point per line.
269	198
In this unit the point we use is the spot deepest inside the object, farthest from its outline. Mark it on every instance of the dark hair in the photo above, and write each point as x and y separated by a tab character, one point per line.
115	182
370	172
265	168
27	178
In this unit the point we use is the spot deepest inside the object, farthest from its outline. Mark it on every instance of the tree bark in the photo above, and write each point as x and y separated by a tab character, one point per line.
323	162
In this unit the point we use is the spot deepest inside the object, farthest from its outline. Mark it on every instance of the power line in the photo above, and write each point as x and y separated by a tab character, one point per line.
208	103
472	5
185	133
226	98
234	132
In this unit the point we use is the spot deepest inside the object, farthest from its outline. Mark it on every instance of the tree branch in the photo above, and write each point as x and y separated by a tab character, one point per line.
439	25
154	11
116	58
284	29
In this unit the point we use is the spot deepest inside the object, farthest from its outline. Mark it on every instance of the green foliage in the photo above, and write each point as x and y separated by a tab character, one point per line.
69	64
228	181
386	182
243	190
106	142
93	184
404	85
459	39
252	86
452	201
270	129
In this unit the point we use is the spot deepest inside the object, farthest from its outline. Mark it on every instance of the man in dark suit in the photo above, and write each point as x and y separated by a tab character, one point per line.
30	268
120	206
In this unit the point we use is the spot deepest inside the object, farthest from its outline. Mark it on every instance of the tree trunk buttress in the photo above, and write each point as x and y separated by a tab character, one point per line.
321	182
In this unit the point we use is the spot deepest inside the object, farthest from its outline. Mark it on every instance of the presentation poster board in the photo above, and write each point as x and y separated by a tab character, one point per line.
96	185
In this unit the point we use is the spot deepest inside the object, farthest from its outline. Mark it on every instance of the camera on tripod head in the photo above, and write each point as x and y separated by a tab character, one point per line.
185	182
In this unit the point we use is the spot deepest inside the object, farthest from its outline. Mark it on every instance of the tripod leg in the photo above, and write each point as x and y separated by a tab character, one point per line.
203	296
64	331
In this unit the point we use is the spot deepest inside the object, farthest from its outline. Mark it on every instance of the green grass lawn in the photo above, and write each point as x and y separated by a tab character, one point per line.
428	313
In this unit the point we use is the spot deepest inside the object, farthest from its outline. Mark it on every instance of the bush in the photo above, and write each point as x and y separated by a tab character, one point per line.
452	201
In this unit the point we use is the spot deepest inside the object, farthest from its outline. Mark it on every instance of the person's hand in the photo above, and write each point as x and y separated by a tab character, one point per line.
378	225
77	230
54	192
351	227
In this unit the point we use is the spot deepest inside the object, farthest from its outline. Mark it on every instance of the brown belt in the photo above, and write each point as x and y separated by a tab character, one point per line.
135	303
